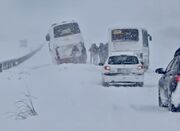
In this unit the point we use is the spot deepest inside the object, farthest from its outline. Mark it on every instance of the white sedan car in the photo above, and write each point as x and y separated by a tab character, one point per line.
123	69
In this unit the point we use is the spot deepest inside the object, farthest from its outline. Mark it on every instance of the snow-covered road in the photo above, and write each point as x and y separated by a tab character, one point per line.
70	97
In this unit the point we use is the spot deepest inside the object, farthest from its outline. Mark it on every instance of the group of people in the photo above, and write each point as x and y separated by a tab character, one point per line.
98	54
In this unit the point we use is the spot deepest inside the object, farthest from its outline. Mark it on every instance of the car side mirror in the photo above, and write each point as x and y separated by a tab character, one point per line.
47	37
150	37
160	71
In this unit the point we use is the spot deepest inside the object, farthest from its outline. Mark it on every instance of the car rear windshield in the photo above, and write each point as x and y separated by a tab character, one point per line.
123	59
66	29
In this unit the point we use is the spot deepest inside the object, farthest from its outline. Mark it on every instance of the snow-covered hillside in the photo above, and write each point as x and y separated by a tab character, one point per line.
70	97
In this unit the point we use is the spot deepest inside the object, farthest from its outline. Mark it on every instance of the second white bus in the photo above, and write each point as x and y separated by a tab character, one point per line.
130	39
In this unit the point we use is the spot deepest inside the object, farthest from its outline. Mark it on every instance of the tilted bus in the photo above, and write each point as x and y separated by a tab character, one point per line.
66	43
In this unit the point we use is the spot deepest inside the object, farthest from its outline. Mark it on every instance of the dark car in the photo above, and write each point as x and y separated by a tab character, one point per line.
177	52
169	85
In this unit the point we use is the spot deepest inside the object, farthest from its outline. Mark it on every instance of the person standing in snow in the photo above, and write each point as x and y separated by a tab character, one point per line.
101	53
106	52
84	55
96	52
58	59
93	54
0	67
74	52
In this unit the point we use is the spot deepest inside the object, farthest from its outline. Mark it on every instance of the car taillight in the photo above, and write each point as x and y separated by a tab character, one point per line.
140	67
177	77
107	68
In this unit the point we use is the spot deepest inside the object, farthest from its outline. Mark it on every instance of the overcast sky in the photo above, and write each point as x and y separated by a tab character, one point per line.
30	19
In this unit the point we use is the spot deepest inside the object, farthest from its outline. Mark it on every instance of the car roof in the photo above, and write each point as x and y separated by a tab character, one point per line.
63	22
123	53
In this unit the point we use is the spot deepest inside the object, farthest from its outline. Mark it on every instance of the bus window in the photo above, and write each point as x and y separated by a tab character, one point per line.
125	35
145	38
66	29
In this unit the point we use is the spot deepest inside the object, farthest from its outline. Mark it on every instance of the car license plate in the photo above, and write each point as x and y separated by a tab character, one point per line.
123	71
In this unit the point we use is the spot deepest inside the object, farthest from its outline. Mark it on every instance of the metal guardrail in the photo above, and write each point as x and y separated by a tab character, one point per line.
5	65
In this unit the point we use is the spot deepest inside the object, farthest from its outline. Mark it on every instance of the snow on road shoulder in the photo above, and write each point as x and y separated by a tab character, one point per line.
70	97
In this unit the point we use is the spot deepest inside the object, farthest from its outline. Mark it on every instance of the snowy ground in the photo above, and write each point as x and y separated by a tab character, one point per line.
70	97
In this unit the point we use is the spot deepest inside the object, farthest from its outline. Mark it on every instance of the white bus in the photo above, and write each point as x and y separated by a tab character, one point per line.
130	39
66	43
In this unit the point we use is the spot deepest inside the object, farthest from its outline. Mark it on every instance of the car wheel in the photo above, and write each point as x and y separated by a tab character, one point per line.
105	84
171	107
160	103
140	84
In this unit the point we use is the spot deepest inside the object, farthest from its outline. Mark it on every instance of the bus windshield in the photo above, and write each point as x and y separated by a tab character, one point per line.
125	35
66	29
